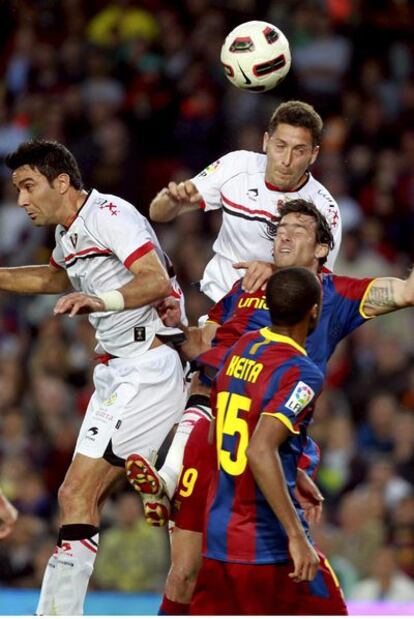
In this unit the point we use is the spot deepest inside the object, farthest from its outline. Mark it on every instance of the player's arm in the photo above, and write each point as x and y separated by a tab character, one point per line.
264	461
388	294
8	516
42	279
176	199
150	284
197	339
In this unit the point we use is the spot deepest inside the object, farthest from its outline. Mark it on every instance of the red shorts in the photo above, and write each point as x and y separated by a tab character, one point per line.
189	501
246	589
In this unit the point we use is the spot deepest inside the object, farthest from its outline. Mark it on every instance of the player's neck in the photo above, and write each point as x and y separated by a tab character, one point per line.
297	333
75	200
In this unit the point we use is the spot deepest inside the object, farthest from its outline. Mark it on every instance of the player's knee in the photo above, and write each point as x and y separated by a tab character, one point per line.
72	493
183	576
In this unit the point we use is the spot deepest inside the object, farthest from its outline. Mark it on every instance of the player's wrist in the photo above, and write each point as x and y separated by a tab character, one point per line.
113	300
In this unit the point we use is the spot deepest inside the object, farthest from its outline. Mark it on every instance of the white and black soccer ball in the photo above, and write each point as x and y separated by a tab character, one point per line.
256	56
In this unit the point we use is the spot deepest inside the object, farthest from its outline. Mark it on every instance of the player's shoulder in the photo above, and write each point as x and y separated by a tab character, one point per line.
319	193
245	161
309	372
108	207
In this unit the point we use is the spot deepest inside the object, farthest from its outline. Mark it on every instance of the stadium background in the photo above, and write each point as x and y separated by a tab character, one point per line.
136	91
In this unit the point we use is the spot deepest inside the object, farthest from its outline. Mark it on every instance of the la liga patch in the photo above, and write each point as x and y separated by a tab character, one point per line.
300	398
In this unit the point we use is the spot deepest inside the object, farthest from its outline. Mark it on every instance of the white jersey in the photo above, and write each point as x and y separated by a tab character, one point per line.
236	185
106	237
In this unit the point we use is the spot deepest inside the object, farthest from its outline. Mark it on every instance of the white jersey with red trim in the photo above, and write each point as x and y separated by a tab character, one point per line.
236	185
105	238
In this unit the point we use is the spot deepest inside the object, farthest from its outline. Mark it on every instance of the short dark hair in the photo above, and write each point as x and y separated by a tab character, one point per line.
323	231
290	294
49	157
298	114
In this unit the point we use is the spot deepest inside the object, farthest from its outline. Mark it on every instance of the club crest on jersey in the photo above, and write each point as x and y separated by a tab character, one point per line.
210	168
300	398
74	240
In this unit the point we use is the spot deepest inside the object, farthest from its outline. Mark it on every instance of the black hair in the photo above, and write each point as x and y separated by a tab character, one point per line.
290	294
49	157
324	234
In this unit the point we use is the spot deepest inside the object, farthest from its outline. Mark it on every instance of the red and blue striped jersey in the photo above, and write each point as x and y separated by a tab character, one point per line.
240	311
264	374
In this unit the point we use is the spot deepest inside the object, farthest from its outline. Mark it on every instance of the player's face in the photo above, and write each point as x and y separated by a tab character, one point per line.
289	152
295	242
36	196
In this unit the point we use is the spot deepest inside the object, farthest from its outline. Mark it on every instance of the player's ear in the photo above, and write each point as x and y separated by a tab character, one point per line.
62	183
315	153
265	141
321	250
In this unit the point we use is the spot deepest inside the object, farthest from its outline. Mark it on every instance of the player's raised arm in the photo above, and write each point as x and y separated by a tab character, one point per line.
264	462
388	294
174	200
42	279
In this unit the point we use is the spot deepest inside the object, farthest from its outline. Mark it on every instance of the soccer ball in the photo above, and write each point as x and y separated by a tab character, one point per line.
256	56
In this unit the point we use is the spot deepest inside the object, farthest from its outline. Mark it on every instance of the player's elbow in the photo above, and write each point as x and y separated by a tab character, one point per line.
255	454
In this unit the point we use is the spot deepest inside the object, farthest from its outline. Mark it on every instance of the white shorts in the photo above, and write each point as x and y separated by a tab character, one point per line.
135	404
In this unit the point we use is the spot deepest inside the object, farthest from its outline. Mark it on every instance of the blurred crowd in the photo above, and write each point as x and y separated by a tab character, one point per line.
136	91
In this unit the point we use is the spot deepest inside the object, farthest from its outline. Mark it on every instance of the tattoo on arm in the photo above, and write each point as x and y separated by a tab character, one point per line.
381	297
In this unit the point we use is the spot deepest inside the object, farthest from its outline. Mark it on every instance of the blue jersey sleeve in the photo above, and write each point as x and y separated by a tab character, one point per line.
349	296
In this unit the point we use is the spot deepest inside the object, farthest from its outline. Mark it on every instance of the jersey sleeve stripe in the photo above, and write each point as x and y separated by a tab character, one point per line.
55	264
138	253
361	305
284	420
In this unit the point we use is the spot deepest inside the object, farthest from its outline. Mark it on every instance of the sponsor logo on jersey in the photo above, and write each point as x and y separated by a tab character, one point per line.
74	240
93	431
111	207
300	398
210	168
256	302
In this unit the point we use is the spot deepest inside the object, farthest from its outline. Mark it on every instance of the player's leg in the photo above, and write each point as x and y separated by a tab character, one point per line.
157	486
68	571
185	564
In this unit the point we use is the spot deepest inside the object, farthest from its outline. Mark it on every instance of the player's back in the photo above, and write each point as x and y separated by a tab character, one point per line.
264	373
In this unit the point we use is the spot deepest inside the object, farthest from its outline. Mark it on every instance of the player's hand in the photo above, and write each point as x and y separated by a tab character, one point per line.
169	311
305	559
257	274
8	516
78	303
185	192
309	497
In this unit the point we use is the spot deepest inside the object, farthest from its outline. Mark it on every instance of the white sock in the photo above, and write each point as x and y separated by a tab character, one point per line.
66	577
170	470
44	606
